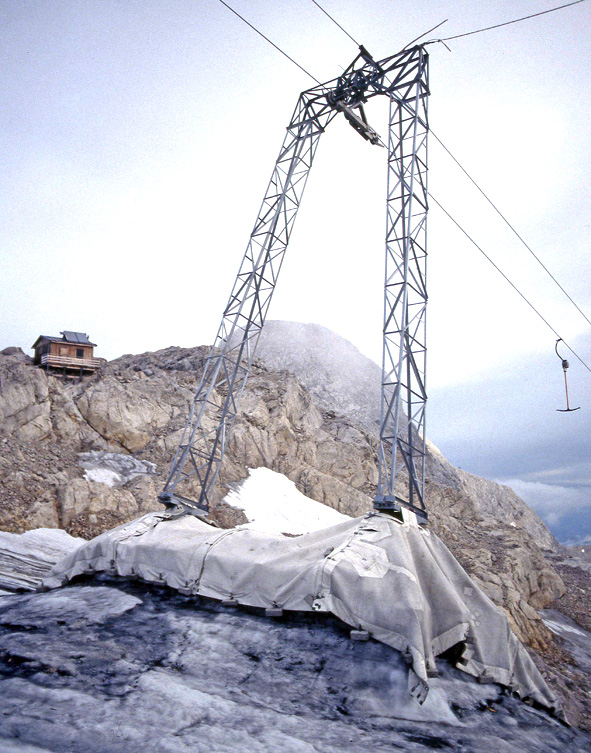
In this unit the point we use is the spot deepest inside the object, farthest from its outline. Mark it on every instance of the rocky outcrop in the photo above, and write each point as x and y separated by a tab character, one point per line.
346	383
78	497
340	378
130	417
138	405
24	399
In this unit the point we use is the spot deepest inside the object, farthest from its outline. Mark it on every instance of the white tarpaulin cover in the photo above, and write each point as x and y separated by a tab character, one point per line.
395	580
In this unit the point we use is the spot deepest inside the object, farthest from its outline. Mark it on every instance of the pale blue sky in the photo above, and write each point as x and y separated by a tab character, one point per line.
138	137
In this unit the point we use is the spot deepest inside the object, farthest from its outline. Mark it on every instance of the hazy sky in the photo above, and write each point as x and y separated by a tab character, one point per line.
138	137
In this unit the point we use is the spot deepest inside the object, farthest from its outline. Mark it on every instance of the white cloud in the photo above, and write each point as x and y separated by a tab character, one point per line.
551	501
583	541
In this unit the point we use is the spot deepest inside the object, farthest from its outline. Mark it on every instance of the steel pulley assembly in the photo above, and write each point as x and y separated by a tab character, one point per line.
565	365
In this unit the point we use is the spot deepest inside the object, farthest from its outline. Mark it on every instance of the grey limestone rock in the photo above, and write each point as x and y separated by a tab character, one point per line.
315	424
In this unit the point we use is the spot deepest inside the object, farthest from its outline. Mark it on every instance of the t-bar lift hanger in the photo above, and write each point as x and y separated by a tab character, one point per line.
565	365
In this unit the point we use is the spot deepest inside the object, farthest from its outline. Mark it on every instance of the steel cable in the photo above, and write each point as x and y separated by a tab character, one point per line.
576	2
506	221
260	33
515	288
336	22
506	23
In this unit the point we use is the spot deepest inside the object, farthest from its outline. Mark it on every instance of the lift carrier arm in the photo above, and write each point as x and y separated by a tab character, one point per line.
404	79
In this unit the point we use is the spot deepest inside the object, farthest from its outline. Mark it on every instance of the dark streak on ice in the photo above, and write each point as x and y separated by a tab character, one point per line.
112	665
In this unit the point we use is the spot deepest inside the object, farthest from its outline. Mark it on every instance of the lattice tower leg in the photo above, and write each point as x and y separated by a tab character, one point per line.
402	430
197	461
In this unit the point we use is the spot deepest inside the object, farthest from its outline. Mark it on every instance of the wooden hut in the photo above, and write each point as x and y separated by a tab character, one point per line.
71	354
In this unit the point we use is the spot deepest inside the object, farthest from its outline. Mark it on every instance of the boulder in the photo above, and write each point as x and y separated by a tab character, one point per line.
24	399
79	497
130	416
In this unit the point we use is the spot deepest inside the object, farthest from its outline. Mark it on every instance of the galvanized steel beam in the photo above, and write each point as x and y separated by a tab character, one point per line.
404	395
403	78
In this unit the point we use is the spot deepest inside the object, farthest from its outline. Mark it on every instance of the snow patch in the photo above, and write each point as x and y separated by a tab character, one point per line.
272	503
103	476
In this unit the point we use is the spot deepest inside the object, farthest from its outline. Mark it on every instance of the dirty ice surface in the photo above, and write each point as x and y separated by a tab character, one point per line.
113	468
272	503
576	640
118	666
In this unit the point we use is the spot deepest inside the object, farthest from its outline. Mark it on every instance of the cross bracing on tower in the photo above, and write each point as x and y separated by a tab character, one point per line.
403	78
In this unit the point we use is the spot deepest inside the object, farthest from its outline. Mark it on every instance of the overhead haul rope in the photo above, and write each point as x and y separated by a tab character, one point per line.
493	205
506	221
269	41
463	169
337	23
431	195
424	34
515	288
357	43
465	34
506	23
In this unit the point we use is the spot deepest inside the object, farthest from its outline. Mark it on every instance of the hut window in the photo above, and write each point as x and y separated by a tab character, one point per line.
79	352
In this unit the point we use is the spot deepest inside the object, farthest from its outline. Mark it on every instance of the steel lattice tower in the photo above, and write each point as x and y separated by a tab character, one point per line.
404	79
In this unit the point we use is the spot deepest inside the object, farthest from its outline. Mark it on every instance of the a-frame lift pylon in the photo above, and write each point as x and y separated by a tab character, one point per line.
404	79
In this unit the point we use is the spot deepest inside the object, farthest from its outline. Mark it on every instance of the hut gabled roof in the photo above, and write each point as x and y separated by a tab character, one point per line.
73	338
